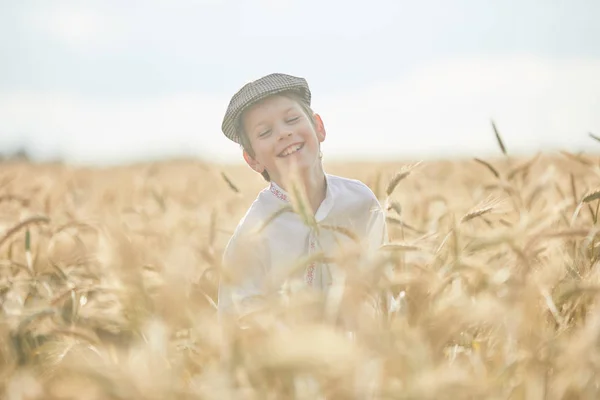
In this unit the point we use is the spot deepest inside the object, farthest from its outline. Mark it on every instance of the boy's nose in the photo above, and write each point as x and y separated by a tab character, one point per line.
283	133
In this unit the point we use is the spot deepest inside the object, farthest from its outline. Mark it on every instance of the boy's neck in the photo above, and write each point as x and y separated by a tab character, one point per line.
315	184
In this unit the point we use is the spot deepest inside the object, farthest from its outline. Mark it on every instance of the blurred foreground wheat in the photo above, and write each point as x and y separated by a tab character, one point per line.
109	283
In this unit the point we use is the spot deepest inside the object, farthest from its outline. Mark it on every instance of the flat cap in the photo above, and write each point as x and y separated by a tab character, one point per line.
257	90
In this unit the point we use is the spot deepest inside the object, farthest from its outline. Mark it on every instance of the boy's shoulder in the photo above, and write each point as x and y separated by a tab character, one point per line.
253	216
353	197
352	187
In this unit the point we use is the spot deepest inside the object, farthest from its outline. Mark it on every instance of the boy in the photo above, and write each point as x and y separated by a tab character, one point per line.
281	137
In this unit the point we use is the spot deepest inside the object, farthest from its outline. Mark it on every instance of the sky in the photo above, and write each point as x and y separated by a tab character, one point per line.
105	82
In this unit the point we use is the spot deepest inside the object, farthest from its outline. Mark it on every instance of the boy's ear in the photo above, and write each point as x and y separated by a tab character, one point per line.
255	165
320	128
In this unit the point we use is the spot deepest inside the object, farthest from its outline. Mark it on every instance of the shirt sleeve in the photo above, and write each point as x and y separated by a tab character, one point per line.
243	275
377	233
377	237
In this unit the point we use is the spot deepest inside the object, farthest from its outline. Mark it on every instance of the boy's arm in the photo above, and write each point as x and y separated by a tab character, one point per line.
243	275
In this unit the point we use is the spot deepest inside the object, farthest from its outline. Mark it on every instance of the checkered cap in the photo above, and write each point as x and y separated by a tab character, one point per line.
258	90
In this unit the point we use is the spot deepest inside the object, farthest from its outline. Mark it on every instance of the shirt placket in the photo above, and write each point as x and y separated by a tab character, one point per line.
311	269
310	276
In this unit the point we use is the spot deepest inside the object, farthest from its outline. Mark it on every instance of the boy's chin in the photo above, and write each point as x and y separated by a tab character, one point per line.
292	163
298	167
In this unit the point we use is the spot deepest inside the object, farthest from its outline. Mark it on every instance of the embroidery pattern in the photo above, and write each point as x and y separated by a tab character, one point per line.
278	193
310	270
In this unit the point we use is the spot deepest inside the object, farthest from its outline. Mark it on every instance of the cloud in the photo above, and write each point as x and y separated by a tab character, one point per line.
107	131
83	27
436	110
444	107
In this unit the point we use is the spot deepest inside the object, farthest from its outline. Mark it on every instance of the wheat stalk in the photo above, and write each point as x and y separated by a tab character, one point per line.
96	308
499	139
590	134
591	196
488	166
399	176
393	205
23	224
478	212
229	182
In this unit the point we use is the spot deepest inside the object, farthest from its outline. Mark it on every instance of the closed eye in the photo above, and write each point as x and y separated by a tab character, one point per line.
264	133
293	119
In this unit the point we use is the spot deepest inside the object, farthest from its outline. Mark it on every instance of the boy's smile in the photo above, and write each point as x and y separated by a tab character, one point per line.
281	134
291	149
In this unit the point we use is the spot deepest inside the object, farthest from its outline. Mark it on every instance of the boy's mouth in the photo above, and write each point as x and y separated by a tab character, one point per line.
291	149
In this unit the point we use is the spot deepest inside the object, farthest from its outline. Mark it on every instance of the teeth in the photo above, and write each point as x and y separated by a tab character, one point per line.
291	150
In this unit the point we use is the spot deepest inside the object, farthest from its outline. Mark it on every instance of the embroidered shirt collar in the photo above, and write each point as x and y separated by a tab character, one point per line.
323	209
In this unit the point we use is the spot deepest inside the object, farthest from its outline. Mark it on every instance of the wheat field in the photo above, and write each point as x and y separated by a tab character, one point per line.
109	282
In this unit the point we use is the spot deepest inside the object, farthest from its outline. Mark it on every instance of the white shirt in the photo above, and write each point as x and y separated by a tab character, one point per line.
286	239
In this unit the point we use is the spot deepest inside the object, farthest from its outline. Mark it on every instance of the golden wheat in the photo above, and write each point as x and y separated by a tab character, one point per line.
109	282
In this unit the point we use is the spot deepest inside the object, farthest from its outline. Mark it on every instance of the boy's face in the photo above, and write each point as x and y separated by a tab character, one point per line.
282	136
